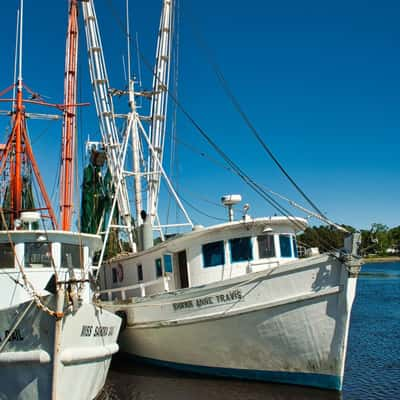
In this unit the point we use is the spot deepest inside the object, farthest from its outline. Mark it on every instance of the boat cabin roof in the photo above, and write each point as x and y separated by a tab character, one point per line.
270	225
53	236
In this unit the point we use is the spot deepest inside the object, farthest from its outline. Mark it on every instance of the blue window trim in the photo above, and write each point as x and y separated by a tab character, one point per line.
295	250
287	235
168	267
223	254
251	250
157	275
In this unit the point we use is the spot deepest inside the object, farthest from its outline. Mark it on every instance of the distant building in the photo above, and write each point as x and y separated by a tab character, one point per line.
393	249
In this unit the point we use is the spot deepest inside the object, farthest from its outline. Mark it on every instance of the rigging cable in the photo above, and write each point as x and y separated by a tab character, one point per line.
234	167
239	109
202	212
173	155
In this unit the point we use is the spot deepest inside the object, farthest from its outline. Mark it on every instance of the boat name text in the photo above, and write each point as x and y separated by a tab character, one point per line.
16	336
95	331
209	300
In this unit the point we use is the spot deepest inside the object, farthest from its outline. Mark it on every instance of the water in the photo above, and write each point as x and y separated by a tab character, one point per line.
372	366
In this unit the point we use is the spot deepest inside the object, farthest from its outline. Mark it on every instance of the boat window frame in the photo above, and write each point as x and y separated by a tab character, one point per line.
271	236
80	254
222	249
12	265
289	237
139	272
295	250
250	247
168	266
159	267
40	243
114	275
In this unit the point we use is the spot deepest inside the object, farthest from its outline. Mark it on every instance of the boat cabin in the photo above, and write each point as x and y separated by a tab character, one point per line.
39	253
203	256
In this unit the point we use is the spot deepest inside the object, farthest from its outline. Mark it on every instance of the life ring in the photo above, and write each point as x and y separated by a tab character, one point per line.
120	272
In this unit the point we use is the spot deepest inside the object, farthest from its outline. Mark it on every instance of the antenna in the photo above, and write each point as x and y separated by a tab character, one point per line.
21	15
15	59
138	60
128	40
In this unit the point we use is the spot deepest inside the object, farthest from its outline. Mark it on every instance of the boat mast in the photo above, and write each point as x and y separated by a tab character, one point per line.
17	152
132	121
159	106
69	125
19	122
105	113
116	146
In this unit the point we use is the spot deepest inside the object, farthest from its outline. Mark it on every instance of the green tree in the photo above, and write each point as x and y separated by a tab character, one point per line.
381	233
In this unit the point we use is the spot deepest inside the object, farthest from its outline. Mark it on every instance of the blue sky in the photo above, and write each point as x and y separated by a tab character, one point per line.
319	81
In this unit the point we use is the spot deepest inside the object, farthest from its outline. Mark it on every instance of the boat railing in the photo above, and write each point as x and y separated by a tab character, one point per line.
142	286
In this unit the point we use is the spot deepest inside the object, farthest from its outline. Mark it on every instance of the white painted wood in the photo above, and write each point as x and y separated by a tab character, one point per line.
80	355
280	315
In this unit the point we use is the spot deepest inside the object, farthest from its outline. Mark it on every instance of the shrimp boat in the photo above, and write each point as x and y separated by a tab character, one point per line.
55	343
232	299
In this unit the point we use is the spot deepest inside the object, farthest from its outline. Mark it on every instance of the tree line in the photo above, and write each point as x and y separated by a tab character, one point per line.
379	240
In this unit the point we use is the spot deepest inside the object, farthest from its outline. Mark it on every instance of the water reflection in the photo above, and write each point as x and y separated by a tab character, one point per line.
130	380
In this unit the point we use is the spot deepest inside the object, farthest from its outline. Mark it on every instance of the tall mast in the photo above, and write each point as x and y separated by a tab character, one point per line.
132	122
18	153
105	113
19	124
159	105
69	126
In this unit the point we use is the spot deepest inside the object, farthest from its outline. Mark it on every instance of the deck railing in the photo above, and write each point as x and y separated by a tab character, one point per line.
142	286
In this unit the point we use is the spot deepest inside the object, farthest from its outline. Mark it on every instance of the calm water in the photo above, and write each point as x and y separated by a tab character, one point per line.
372	367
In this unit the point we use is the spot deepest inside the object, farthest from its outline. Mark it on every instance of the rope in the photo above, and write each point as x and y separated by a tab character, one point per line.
202	212
246	119
15	326
27	285
233	166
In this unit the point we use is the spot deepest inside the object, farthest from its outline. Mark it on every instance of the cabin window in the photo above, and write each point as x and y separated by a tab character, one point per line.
139	273
168	263
71	253
114	275
266	246
294	243
285	245
6	256
158	268
213	254
241	249
38	255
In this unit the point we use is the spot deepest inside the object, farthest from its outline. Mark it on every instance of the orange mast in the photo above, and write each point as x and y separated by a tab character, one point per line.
17	153
69	126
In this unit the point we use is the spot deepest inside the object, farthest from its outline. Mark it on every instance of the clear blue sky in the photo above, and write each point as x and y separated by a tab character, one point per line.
319	80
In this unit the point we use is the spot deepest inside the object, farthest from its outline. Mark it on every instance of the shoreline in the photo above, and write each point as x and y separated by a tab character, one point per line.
370	260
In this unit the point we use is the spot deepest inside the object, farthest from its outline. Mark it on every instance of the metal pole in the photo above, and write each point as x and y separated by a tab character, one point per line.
69	126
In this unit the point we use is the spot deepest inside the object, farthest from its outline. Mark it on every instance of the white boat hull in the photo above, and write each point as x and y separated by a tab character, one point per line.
33	365
289	324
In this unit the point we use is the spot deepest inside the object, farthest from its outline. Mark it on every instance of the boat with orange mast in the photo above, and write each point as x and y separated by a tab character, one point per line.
55	342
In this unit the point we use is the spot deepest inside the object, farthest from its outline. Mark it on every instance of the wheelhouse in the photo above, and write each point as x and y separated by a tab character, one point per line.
206	255
39	254
42	250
